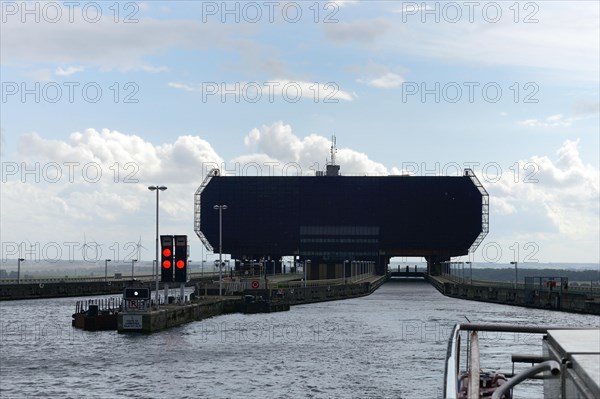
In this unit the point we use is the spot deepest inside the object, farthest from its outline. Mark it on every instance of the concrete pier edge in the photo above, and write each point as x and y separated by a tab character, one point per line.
174	315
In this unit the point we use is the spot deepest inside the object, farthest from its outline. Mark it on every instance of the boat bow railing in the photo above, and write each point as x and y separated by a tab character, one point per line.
452	364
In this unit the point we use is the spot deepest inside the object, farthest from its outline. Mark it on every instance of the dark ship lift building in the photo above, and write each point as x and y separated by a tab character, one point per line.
333	222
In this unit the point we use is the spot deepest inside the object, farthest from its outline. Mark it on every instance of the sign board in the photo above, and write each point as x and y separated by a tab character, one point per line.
255	284
132	321
136	293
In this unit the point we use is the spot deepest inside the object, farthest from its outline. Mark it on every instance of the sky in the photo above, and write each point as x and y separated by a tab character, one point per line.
102	99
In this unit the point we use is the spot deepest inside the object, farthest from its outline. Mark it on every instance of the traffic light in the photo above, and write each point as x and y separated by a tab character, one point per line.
181	256
166	259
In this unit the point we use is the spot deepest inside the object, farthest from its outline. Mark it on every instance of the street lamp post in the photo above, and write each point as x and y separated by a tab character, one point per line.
19	269
516	274
306	265
344	270
157	189
106	269
470	273
132	262
220	208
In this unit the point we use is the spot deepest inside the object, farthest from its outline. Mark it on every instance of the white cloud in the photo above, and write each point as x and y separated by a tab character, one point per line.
566	189
152	68
181	86
564	41
558	120
344	3
278	142
114	162
106	44
68	71
389	80
379	75
95	182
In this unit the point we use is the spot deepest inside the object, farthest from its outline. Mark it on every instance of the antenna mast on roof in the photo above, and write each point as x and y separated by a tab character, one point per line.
333	149
331	169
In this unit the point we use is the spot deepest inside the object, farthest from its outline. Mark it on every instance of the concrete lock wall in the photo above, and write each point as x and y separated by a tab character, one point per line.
60	289
565	301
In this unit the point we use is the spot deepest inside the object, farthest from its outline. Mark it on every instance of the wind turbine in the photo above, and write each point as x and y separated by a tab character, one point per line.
138	246
85	246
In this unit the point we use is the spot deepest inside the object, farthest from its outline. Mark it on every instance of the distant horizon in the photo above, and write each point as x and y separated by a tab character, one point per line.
11	264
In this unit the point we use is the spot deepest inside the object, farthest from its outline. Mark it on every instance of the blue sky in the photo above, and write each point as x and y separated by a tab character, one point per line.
535	145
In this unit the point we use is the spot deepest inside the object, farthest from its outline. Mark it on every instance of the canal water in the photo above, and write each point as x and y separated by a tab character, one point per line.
391	344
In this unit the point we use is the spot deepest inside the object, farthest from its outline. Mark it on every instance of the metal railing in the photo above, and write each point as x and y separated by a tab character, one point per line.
505	284
241	285
90	279
111	304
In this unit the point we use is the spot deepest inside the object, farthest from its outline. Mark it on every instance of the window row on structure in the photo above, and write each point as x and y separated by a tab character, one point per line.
340	240
350	255
339	230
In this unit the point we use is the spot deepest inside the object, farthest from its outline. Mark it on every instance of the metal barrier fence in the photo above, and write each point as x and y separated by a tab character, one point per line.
259	283
110	304
89	279
539	287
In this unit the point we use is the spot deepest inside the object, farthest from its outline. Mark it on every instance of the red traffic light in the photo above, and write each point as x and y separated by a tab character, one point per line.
166	252
180	264
166	264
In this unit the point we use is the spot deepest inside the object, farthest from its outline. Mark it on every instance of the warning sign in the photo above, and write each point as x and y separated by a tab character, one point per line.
132	321
255	284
